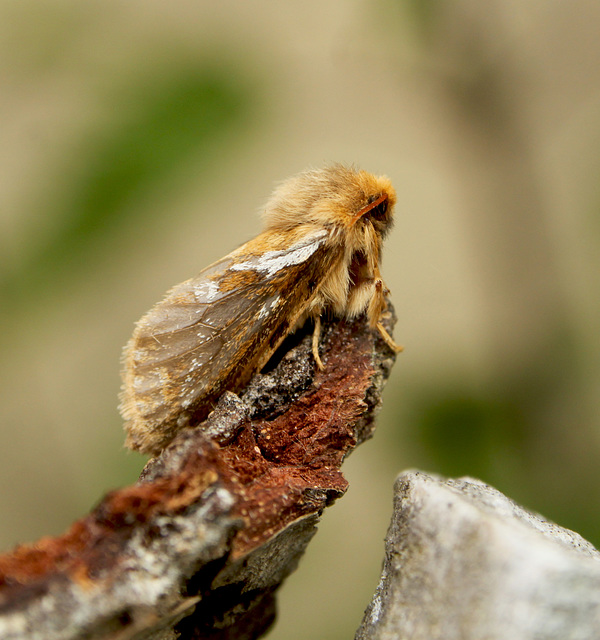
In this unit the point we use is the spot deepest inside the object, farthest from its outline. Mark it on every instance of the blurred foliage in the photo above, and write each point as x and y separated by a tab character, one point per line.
511	433
157	130
462	432
422	14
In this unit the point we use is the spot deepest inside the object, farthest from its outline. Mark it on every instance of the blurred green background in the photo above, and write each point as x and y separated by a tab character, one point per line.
138	140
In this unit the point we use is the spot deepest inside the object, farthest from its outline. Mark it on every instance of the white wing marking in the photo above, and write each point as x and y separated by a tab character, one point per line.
271	262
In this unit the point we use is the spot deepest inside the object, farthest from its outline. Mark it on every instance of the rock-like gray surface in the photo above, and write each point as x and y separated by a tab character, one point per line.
463	562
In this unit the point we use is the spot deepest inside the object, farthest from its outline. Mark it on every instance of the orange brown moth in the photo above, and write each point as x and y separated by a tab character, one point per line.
320	251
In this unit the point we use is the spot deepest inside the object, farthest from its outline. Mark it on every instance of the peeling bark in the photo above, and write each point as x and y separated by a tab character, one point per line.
198	546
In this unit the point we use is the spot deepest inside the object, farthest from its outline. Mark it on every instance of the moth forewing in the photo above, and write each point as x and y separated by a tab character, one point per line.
211	333
320	251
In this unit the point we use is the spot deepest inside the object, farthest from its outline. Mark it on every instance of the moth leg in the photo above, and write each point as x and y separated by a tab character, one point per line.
388	339
377	306
315	344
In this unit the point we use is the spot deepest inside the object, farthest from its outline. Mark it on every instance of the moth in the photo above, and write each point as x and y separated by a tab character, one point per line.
319	252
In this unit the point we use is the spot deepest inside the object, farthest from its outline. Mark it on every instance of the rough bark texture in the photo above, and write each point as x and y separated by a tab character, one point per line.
463	562
198	546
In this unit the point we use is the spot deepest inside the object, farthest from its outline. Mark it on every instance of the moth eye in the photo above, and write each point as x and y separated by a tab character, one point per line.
379	212
376	211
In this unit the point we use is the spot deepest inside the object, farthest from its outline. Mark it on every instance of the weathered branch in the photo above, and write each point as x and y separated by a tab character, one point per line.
200	543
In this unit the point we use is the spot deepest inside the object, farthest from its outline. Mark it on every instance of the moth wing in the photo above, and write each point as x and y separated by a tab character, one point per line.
211	333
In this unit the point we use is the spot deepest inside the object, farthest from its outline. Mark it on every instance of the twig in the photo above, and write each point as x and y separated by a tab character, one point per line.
197	547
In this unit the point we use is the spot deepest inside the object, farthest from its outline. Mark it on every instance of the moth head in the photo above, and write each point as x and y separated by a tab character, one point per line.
335	196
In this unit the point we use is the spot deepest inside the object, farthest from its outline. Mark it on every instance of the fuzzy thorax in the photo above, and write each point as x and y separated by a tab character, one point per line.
333	199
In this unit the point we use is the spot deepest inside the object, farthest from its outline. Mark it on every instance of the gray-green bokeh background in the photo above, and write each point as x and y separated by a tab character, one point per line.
138	140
